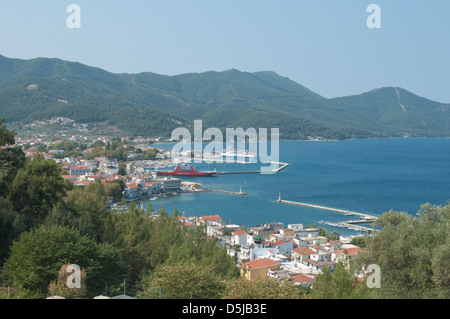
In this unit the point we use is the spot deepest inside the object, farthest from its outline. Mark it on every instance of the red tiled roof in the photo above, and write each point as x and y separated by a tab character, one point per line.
239	232
301	278
283	241
80	167
211	218
316	247
260	263
69	176
132	186
350	251
303	251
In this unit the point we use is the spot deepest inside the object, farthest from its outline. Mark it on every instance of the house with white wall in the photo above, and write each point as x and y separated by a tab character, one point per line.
241	237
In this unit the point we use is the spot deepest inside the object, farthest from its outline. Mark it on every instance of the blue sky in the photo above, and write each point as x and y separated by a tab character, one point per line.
324	45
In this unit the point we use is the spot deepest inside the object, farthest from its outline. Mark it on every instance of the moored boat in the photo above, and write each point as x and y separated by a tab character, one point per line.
186	170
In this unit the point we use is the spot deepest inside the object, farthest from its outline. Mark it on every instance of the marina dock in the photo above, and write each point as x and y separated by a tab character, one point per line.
283	166
347	225
367	217
352	224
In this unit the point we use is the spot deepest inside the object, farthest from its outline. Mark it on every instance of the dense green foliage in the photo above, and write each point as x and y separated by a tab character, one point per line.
341	284
153	105
413	254
39	254
184	281
37	187
268	288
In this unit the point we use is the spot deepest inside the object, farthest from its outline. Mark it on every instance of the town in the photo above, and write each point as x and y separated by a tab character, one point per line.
295	253
125	161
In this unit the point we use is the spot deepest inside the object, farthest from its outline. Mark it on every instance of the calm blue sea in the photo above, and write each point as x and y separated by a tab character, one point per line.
368	176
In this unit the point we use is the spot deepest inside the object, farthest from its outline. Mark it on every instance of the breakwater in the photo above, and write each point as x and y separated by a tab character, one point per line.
365	218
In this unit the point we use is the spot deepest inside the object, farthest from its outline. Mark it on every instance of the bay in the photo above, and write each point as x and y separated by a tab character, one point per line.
367	176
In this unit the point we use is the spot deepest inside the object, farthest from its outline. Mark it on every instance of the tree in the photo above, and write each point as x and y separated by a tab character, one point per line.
113	190
59	286
184	281
412	253
37	188
268	288
341	284
359	241
11	158
89	202
334	235
122	171
37	257
133	233
11	226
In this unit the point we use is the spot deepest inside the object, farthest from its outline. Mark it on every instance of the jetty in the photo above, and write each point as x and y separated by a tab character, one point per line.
250	172
352	224
276	170
227	192
347	225
366	217
283	166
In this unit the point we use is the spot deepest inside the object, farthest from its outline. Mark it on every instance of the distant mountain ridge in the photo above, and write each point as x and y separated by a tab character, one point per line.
153	105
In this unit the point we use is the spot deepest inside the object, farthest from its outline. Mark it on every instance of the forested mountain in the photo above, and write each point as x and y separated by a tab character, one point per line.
153	104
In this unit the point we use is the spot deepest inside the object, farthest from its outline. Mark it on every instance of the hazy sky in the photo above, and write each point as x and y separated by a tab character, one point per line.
324	45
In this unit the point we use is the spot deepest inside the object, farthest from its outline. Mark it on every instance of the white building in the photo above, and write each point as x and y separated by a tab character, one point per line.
241	237
170	184
79	170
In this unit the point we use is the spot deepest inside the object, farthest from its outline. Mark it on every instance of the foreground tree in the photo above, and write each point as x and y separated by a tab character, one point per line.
89	203
413	253
184	282
37	188
11	158
37	257
268	288
341	284
59	286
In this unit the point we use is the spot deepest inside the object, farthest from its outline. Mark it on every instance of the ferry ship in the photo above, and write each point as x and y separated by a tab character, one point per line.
234	153
186	170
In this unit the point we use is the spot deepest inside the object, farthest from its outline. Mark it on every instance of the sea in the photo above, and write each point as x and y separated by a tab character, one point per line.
370	176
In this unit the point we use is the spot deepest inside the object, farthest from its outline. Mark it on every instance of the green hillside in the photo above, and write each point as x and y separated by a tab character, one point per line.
153	105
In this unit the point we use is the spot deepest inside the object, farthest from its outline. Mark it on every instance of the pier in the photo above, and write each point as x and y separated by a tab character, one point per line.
227	192
352	224
225	173
366	217
281	167
347	225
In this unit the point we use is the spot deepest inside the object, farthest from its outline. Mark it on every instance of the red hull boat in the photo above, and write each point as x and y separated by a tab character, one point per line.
185	170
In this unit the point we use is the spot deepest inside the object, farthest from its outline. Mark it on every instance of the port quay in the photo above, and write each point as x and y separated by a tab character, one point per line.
352	224
281	167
